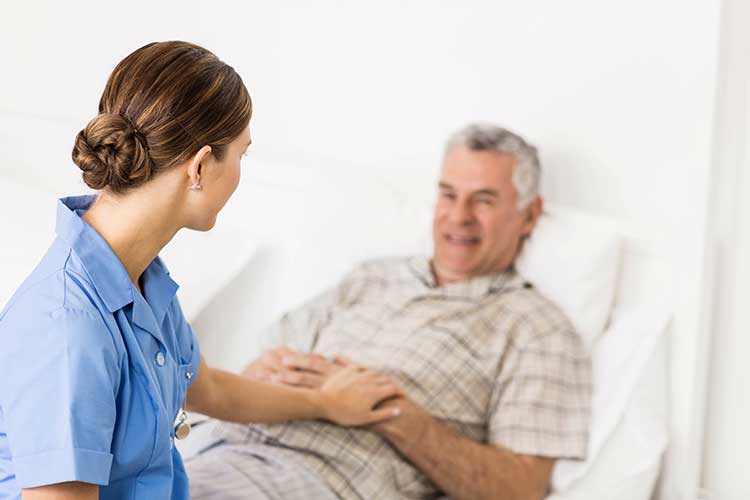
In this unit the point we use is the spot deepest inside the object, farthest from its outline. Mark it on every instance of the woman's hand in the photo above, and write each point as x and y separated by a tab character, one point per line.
282	365
346	397
350	395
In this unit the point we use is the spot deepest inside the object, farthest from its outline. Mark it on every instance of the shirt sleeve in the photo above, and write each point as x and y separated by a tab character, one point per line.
59	374
542	398
300	328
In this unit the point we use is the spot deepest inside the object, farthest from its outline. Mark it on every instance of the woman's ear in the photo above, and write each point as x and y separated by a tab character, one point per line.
195	166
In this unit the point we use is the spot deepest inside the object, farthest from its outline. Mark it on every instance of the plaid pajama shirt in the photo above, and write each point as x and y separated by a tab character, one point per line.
489	357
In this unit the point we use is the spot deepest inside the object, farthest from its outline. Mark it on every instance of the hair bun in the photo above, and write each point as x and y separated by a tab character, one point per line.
112	153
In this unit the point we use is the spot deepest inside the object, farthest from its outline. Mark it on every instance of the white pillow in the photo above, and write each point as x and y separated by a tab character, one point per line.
629	412
573	258
320	220
203	263
313	224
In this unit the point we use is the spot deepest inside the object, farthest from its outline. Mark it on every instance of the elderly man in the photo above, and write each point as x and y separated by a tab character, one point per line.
497	383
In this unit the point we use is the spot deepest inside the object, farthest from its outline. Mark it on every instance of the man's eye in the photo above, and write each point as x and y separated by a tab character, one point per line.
486	201
448	196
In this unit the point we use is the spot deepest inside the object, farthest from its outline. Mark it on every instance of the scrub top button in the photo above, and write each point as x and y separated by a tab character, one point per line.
160	358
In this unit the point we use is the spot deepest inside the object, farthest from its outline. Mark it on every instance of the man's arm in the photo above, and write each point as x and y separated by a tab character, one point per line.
545	383
462	468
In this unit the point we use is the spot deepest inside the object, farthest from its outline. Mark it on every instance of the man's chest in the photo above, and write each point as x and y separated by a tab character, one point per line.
445	353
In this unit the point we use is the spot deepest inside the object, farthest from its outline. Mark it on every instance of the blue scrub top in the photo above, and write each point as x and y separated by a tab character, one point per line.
92	373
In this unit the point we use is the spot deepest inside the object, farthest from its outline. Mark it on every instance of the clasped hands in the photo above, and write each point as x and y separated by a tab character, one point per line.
285	366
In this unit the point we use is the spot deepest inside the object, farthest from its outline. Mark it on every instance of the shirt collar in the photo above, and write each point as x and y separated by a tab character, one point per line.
107	273
158	289
473	288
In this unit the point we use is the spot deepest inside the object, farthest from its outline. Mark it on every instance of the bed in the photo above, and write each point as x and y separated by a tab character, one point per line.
292	230
387	213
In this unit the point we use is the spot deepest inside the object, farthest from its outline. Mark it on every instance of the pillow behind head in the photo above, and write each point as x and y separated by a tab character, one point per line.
573	259
629	411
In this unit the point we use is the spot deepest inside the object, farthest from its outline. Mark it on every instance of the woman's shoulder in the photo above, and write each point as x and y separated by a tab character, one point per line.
56	287
53	314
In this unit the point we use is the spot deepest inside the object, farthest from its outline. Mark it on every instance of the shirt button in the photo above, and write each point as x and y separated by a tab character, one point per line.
160	358
189	375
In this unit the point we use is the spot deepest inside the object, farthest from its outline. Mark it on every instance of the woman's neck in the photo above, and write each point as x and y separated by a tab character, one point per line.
136	227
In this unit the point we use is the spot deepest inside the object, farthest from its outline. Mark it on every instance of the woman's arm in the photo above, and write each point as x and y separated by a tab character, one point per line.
62	491
347	398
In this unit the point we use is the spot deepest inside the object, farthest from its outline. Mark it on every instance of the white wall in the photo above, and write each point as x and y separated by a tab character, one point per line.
614	93
619	96
727	434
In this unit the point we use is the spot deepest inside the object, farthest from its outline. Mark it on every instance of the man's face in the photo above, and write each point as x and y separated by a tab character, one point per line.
477	227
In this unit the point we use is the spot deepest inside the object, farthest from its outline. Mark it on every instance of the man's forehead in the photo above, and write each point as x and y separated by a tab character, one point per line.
473	176
463	159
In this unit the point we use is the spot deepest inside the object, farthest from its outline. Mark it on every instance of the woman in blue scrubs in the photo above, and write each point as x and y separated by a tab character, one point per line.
97	359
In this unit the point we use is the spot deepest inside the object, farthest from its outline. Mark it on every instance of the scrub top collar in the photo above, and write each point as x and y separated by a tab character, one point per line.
107	272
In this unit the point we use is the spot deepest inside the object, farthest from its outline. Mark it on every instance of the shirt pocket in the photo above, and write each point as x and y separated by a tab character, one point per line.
185	376
188	355
188	358
136	437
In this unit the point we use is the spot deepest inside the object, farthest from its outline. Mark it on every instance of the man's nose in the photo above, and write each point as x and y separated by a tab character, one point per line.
461	213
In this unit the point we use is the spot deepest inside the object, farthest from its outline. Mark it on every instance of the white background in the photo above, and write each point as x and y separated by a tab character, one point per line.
629	102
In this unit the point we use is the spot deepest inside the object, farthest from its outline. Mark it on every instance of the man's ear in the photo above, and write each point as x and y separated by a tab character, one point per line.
533	211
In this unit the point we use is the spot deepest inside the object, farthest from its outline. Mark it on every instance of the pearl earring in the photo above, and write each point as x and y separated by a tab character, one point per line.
195	187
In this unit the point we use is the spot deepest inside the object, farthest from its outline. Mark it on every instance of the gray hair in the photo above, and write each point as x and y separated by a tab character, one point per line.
485	137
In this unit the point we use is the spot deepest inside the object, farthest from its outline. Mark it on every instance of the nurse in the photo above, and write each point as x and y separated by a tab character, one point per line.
96	358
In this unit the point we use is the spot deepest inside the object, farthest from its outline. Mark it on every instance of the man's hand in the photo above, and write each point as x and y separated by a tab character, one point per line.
404	424
462	468
282	365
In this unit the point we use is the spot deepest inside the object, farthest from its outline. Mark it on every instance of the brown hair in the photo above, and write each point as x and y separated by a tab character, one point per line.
161	104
